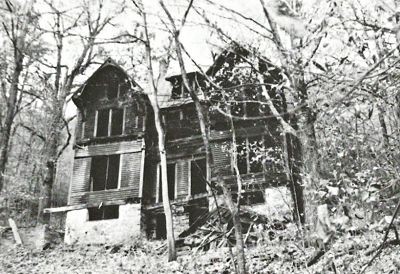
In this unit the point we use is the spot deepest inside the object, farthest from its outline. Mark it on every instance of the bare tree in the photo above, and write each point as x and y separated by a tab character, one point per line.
18	26
153	96
90	23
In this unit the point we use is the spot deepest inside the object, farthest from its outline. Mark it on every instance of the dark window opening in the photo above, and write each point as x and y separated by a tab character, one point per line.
103	119
103	213
171	182
102	122
105	172
198	176
117	118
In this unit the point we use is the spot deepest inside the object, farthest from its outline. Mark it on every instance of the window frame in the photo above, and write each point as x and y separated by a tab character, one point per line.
247	148
102	210
158	186
109	126
194	159
106	173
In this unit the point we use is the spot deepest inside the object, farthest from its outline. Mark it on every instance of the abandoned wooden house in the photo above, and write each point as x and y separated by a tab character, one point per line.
115	190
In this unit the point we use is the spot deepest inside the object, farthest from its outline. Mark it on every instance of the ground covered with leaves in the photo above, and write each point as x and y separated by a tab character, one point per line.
346	255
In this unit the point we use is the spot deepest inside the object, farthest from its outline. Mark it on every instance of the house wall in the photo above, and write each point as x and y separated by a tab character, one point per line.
78	228
130	165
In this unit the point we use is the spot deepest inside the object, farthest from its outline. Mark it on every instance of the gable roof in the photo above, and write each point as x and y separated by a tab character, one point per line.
76	97
219	61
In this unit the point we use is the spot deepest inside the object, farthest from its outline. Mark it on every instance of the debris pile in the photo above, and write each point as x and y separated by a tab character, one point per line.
215	229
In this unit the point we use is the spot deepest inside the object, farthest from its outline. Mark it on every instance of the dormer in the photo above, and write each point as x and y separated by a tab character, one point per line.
109	106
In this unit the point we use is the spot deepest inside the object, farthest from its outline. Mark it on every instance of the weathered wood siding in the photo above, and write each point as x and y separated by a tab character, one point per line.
110	148
182	178
103	196
130	170
81	175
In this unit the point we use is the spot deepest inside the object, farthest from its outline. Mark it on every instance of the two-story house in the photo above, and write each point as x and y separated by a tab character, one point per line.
115	192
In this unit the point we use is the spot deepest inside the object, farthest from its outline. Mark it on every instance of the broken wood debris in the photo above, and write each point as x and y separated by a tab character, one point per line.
209	231
15	232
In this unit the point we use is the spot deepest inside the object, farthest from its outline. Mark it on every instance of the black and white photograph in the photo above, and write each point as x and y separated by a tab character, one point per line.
199	136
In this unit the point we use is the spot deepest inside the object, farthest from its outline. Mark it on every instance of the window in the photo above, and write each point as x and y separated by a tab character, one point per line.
102	122
250	154
103	213
198	176
104	172
117	118
171	182
103	125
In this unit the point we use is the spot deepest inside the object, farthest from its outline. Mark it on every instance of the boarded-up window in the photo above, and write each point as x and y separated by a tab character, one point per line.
105	172
171	182
198	176
103	213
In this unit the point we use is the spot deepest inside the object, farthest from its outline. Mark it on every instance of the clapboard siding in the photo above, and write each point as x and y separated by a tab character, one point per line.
102	196
182	178
130	170
111	148
81	175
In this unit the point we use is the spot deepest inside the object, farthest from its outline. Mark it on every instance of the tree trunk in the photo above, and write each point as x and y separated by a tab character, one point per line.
161	142
292	156
164	181
9	117
241	260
